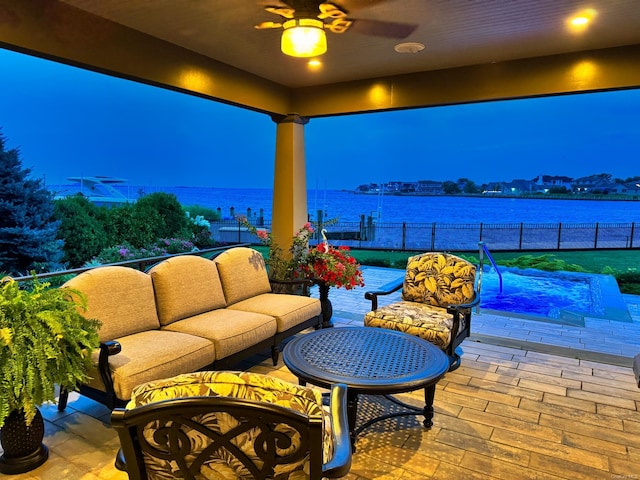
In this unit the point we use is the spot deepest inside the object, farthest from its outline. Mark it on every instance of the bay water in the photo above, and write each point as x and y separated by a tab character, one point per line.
347	206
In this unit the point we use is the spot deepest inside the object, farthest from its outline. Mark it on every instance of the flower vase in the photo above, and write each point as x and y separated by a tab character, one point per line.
325	303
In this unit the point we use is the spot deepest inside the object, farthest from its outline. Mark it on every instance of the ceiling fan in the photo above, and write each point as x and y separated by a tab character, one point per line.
305	22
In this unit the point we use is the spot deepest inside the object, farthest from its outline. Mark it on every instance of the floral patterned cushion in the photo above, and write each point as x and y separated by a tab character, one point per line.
245	385
439	279
419	319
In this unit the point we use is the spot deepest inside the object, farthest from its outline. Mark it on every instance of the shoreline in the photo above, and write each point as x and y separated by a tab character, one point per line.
533	196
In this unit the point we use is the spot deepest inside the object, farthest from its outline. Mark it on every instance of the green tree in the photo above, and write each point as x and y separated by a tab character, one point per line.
450	187
27	225
82	227
173	221
470	187
128	224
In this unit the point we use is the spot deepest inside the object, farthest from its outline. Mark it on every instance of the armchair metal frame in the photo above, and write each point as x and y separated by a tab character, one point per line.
458	312
177	413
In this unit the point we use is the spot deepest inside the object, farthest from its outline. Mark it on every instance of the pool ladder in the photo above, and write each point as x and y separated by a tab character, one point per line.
482	251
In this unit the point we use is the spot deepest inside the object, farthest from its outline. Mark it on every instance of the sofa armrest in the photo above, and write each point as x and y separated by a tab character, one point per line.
386	289
107	349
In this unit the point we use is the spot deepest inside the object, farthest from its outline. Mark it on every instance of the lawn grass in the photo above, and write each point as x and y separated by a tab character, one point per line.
593	261
623	264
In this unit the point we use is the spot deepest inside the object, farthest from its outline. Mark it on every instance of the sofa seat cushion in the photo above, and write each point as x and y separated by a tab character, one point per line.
152	355
431	323
231	331
185	286
120	297
288	310
243	274
243	385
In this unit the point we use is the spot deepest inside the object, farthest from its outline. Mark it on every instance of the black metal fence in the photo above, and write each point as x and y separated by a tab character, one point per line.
463	237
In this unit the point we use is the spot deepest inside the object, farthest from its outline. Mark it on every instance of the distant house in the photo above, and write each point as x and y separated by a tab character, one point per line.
629	188
600	183
429	187
519	186
546	182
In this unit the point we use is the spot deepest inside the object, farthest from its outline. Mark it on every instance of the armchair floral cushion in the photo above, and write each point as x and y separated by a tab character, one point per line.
439	279
221	463
438	291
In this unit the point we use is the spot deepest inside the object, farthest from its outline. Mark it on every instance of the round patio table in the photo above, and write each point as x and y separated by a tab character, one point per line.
373	361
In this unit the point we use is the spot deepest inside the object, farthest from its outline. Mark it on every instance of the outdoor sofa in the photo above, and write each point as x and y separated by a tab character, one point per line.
187	313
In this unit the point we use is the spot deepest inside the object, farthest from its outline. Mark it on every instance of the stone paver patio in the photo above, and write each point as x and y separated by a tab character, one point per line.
529	401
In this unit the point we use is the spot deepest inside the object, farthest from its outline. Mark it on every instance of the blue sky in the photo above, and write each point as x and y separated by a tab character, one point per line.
70	122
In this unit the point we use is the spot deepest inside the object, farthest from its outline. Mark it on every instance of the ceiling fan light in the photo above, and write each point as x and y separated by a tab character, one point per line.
303	37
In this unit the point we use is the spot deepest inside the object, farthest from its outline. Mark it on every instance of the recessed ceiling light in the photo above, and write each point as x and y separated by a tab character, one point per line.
409	47
579	22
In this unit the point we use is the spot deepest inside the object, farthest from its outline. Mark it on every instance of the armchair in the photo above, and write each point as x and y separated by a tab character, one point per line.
232	425
438	293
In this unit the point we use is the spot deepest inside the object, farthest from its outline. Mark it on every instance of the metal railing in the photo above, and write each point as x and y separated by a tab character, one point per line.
482	247
434	236
141	264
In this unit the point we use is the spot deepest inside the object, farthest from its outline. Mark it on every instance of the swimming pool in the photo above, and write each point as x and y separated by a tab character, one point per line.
560	297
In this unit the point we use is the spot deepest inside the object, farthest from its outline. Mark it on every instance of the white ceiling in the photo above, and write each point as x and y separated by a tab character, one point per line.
455	33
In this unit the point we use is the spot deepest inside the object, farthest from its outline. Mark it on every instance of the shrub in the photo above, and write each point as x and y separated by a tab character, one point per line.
81	229
131	225
543	262
200	230
205	212
172	221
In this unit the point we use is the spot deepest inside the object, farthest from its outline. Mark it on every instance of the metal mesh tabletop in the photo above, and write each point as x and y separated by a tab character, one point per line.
367	359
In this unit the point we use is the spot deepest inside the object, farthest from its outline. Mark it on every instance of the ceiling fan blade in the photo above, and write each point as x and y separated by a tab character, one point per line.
282	11
353	5
330	10
379	28
265	25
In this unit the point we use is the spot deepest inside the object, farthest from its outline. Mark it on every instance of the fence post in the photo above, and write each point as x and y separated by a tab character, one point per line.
633	228
433	236
595	241
480	231
559	234
520	243
404	235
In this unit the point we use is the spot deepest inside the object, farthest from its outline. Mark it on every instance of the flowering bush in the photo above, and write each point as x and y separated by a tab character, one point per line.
283	266
334	267
125	252
200	229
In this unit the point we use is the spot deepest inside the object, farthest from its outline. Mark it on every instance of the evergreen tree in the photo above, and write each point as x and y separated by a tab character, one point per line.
27	226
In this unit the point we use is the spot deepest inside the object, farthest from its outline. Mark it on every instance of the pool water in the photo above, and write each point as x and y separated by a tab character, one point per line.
564	296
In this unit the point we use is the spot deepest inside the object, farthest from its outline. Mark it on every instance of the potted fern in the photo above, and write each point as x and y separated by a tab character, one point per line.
44	341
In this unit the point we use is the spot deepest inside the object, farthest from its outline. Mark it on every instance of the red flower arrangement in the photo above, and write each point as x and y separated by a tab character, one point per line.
334	267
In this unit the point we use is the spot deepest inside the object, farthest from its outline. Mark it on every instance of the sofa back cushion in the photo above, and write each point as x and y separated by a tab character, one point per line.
120	297
243	274
186	286
439	279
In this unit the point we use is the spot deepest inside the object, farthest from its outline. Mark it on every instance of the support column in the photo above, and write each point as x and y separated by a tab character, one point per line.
290	180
